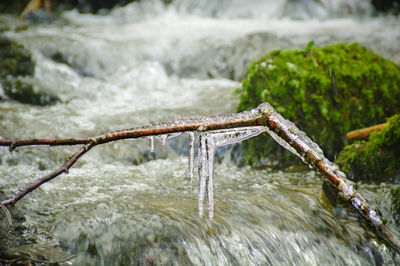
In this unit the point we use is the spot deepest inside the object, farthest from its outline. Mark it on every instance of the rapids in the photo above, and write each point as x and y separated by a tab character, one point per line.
148	62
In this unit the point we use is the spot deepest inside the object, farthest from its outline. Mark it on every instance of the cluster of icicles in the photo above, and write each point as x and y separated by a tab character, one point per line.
209	141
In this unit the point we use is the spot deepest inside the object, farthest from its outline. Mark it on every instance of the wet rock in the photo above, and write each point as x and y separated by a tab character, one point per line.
40	16
226	60
15	60
100	7
12	6
369	252
325	91
309	9
58	57
395	193
84	6
25	92
20	245
11	23
376	159
16	71
387	5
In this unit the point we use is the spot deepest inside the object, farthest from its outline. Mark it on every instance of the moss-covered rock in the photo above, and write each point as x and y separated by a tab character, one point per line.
375	159
325	91
16	66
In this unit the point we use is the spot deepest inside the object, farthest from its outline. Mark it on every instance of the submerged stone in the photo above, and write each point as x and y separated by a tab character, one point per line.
376	159
325	91
24	91
16	70
391	6
22	245
395	193
14	59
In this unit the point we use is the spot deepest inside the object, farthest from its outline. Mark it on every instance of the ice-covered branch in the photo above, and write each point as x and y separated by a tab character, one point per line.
213	132
289	136
198	124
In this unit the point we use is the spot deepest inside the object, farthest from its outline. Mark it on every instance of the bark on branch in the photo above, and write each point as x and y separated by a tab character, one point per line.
364	133
284	131
244	119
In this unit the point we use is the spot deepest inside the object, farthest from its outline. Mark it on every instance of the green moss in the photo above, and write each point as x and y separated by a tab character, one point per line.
325	91
375	159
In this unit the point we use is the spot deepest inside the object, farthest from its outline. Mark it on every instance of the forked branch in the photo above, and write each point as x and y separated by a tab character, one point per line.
284	131
244	119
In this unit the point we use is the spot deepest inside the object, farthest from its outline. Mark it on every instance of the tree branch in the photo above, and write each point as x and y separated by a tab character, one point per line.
310	153
284	131
244	119
63	169
364	133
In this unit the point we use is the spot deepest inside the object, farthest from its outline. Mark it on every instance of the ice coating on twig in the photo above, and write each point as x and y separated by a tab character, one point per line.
152	144
288	128
185	122
281	142
234	135
165	137
298	142
191	155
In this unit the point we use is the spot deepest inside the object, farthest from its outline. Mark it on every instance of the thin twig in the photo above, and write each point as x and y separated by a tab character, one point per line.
63	169
7	212
194	124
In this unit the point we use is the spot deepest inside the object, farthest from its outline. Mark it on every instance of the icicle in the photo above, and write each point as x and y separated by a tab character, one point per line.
234	135
208	142
191	155
202	154
164	139
206	173
210	178
152	144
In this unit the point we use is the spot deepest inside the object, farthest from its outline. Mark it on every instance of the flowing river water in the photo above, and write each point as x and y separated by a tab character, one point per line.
150	62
